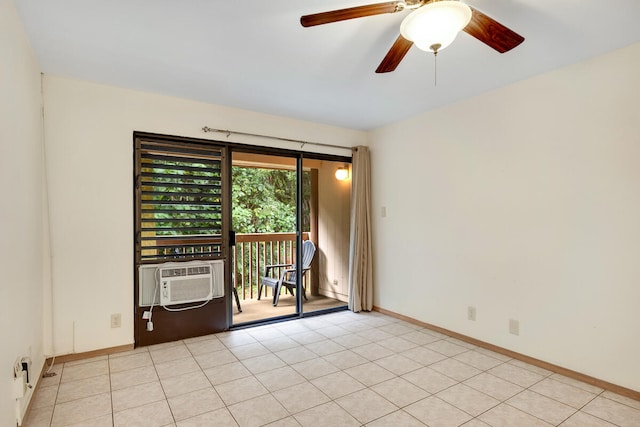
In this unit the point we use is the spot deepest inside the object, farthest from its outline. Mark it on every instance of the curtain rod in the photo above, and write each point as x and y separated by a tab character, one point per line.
207	129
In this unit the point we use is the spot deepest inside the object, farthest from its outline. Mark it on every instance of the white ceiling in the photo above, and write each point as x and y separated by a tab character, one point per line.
255	55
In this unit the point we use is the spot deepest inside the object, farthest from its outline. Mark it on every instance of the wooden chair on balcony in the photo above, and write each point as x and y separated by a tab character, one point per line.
287	278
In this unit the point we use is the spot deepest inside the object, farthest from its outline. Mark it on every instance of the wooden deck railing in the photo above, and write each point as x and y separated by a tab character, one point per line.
253	252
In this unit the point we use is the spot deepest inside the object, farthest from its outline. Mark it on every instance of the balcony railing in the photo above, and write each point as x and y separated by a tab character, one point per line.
256	250
251	254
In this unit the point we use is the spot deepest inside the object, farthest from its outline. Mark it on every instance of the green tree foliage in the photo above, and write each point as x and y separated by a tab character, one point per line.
264	200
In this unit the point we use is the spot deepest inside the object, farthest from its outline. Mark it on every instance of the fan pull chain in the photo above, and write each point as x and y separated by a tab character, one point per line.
434	47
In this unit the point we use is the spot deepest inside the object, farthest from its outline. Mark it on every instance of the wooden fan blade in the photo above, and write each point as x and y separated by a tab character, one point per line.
395	55
491	32
350	13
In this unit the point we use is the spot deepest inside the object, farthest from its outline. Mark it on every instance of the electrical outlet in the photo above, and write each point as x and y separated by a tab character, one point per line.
116	320
383	211
335	282
514	327
471	313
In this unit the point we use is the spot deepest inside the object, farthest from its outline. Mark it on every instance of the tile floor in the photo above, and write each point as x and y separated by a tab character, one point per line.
341	369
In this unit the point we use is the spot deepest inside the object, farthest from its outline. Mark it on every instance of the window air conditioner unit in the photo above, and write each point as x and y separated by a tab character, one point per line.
190	283
185	278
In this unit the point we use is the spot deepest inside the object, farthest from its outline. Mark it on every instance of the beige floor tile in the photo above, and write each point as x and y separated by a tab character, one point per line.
264	363
87	360
296	354
396	419
176	367
461	343
309	337
420	338
614	412
475	423
314	368
542	407
565	393
493	354
579	384
351	341
293	326
85	370
133	361
366	405
263	333
285	422
195	403
622	399
83	388
581	419
219	418
240	390
225	373
279	378
478	360
129	352
53	380
447	348
397	344
398	364
215	358
370	374
504	415
81	410
124	379
337	384
208	345
248	351
424	356
529	367
137	395
345	359
200	338
516	375
435	412
300	397
45	396
324	348
494	386
182	384
332	331
457	370
103	421
236	338
257	412
279	344
398	328
400	392
468	399
171	353
329	414
152	414
429	380
39	417
372	351
374	335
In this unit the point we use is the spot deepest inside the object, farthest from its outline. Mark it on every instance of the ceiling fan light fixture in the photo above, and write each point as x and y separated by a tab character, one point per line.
436	23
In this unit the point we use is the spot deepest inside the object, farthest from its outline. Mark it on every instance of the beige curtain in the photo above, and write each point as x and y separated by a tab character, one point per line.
360	250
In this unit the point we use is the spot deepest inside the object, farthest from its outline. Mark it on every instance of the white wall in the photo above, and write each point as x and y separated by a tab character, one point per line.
89	144
21	244
525	203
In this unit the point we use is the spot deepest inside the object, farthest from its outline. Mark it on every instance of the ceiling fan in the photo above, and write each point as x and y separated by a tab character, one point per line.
447	18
